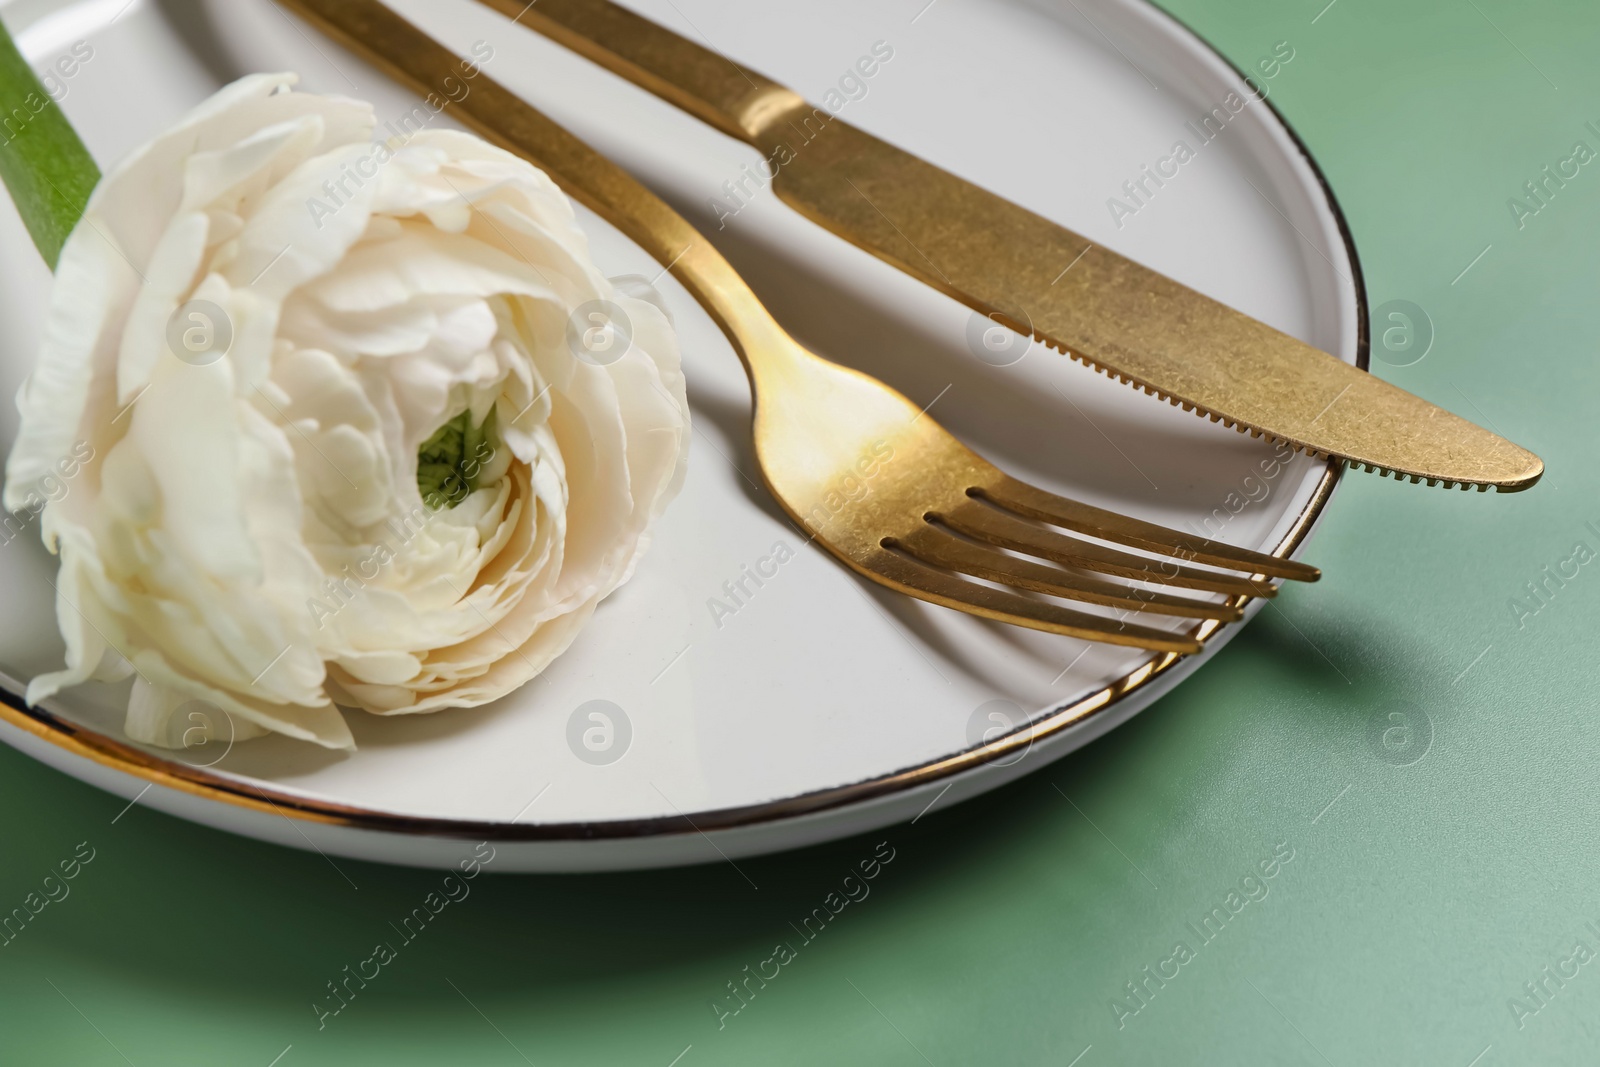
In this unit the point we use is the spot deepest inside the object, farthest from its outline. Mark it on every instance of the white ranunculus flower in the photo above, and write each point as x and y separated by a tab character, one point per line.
254	527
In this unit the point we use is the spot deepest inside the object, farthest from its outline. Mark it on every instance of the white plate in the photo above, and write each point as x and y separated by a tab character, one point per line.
822	706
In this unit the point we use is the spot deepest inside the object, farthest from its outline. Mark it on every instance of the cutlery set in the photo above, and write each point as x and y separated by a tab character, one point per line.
937	515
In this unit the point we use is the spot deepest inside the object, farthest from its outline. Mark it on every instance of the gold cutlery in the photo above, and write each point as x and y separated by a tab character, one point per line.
876	481
1009	264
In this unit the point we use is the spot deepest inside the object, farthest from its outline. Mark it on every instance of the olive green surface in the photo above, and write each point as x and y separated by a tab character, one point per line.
1442	860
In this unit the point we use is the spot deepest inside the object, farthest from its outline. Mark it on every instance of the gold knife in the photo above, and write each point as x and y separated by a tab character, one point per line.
1007	263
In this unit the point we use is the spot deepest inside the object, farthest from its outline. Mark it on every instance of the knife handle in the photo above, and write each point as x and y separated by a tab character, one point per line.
707	84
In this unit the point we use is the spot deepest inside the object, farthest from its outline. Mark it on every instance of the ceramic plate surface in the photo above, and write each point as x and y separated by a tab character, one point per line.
757	696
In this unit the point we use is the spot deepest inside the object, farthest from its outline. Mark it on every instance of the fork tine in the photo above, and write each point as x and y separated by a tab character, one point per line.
983	523
921	581
1035	503
934	546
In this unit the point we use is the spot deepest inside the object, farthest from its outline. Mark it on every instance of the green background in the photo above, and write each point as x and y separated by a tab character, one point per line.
1421	896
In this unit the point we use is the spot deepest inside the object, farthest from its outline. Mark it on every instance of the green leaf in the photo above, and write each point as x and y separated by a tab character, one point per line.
43	163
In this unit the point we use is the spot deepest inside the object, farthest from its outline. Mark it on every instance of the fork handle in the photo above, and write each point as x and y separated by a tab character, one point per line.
735	99
387	40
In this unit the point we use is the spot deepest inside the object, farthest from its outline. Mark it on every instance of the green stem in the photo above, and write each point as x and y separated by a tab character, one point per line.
43	163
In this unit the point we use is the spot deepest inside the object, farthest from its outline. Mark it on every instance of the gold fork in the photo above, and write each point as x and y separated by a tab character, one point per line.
869	475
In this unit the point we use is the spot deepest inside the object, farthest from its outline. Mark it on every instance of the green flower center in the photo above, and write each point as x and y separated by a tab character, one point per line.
450	462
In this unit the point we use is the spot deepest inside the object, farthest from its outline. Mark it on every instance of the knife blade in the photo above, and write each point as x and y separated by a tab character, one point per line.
1008	263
